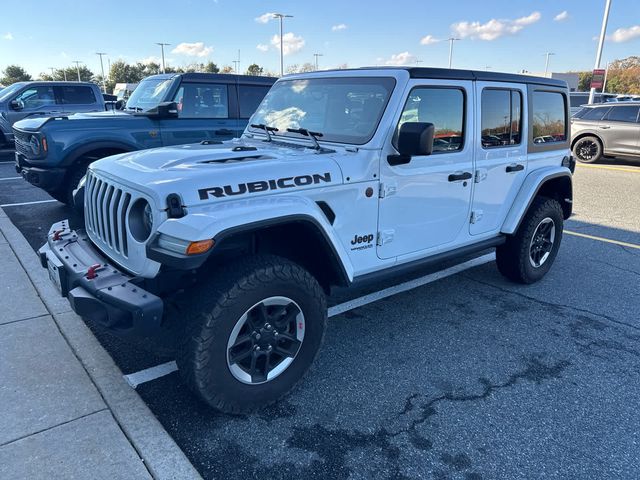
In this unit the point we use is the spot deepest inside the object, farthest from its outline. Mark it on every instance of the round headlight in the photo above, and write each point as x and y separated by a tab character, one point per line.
141	220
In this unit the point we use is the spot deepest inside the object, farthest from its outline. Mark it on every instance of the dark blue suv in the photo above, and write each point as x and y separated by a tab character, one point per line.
53	152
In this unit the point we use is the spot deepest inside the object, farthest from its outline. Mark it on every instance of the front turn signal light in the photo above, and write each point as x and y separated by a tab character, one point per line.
200	246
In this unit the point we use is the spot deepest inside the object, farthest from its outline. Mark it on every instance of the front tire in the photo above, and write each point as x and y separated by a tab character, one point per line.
251	333
588	149
527	256
64	193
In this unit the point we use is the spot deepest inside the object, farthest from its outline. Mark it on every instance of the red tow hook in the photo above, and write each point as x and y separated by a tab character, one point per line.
56	235
91	271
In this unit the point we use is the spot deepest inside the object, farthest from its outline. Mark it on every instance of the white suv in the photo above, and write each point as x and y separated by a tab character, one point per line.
342	177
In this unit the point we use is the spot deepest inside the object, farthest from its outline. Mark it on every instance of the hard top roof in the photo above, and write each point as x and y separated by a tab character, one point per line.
224	77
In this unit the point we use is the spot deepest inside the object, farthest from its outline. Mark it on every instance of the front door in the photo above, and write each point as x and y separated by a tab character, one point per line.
203	114
501	159
425	203
620	129
34	100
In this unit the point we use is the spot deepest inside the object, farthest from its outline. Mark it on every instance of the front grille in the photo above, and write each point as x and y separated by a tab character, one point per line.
22	142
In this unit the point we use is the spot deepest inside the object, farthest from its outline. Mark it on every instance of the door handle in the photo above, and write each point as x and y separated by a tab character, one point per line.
516	167
604	127
457	176
223	131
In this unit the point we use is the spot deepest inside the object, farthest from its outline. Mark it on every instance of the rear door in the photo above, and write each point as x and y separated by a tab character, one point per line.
620	129
501	158
78	98
205	112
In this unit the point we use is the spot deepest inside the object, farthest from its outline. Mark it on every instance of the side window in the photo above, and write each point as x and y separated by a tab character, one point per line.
201	100
250	98
37	97
444	107
549	121
623	113
501	117
594	113
77	95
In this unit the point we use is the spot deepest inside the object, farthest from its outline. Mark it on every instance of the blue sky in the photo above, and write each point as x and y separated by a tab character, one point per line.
505	35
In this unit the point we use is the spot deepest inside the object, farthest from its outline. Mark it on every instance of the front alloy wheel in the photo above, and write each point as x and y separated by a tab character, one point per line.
588	150
265	340
542	242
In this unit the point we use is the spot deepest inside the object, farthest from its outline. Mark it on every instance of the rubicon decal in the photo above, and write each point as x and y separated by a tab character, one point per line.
263	185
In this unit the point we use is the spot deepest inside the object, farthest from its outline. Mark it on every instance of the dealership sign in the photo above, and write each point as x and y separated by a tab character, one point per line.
597	80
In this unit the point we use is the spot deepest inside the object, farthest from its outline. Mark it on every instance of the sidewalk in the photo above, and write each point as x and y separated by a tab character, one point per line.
65	410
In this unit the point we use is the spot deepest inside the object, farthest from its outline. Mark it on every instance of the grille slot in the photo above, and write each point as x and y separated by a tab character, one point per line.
21	140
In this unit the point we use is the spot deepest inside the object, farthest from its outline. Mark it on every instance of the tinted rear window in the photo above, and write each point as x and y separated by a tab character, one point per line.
250	98
549	121
623	113
77	95
578	100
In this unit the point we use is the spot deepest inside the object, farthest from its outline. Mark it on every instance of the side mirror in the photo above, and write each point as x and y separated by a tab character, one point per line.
414	139
16	105
163	110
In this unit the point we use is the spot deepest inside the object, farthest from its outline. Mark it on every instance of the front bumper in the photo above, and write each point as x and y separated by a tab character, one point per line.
112	298
48	179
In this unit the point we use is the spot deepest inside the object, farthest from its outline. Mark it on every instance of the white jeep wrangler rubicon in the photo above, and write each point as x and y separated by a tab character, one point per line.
341	177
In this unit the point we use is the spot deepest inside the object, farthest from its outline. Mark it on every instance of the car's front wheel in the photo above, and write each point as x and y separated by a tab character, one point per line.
587	150
251	333
527	256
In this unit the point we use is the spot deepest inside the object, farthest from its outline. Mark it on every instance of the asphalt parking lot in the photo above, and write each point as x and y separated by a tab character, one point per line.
467	377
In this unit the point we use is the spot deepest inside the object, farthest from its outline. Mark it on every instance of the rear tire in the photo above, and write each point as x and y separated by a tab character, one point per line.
251	333
527	256
588	149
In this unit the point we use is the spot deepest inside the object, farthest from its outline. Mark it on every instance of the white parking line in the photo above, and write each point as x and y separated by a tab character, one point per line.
153	373
10	178
26	203
10	161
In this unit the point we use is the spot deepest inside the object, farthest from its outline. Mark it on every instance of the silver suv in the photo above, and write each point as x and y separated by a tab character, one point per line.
606	130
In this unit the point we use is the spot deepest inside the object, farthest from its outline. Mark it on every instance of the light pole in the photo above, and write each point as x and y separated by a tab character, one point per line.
603	32
53	75
162	45
236	66
77	62
281	16
104	83
316	55
451	40
546	63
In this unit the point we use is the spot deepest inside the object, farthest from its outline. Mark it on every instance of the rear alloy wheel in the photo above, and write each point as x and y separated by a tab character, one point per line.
588	150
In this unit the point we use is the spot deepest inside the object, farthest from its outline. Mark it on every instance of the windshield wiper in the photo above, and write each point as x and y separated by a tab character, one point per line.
312	135
267	129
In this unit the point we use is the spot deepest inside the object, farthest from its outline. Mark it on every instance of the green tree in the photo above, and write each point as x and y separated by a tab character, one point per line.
255	69
13	74
211	67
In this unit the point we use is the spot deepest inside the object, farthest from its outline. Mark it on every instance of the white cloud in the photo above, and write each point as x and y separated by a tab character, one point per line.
151	59
8	36
429	40
262	47
404	58
562	16
337	28
265	18
290	43
196	49
494	28
625	34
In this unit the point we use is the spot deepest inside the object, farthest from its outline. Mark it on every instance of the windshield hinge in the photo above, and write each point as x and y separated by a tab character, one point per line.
386	190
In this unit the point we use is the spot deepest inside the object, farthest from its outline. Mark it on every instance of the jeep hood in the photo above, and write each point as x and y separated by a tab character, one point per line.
35	123
236	169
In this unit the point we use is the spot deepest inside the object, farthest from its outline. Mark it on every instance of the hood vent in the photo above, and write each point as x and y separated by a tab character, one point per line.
239	159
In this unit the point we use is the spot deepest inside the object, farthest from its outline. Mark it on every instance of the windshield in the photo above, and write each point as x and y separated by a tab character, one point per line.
148	94
10	90
345	110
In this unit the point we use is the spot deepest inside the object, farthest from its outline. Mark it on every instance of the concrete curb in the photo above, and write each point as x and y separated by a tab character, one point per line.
161	454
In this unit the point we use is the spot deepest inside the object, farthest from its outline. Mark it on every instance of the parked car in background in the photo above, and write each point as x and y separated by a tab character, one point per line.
124	90
606	130
27	99
53	152
578	99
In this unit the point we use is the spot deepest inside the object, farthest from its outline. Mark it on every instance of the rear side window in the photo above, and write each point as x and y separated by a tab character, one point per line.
593	113
444	107
250	98
77	95
501	117
623	113
202	100
549	120
578	100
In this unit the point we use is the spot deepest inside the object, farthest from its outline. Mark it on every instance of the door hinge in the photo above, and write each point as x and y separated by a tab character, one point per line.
386	190
476	216
384	237
481	174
